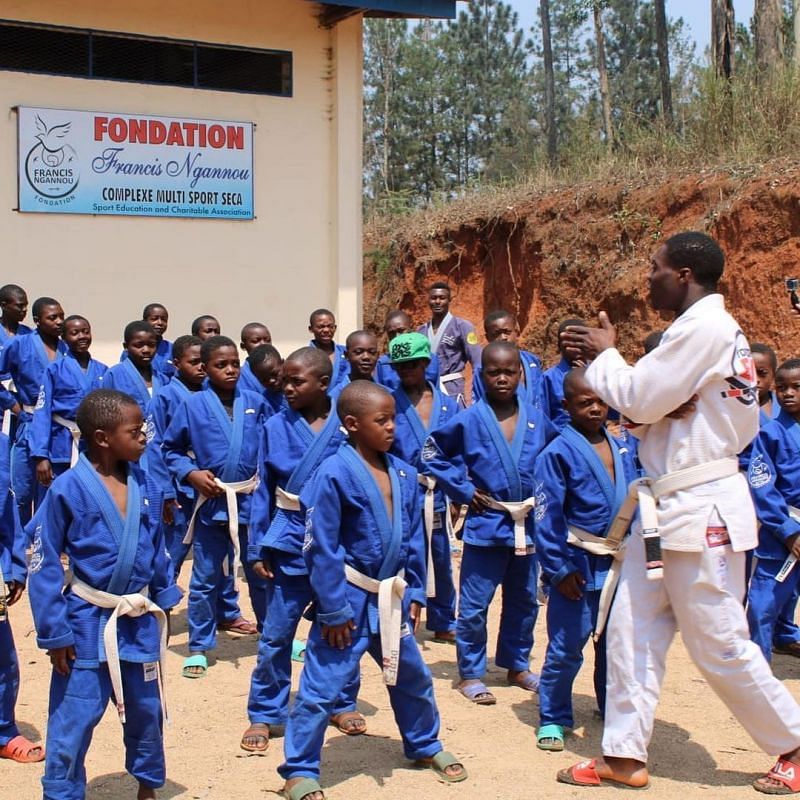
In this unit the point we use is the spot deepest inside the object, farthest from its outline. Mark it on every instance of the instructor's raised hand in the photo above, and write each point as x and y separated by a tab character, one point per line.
587	343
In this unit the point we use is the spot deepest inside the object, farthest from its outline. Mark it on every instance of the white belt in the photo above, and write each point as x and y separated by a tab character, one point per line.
390	593
644	493
127	605
430	485
7	384
28	409
73	428
286	500
791	559
231	490
518	510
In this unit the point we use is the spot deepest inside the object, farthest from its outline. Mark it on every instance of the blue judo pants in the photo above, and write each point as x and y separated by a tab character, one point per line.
268	703
766	598
77	703
786	630
440	614
211	549
569	625
327	670
28	492
227	598
9	684
483	569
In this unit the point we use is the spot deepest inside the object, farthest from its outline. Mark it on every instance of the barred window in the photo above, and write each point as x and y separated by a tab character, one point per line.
27	47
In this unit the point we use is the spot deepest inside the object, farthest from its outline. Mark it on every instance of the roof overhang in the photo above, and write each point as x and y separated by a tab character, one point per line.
334	11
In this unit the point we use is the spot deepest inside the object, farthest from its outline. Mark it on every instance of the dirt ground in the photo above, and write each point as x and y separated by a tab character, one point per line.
698	749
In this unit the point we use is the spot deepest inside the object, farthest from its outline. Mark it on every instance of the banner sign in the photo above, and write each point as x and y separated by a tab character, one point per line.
94	162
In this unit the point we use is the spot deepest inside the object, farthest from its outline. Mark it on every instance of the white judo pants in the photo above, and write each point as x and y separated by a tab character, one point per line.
700	593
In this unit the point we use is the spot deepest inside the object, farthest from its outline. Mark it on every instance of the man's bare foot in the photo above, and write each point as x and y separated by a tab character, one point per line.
783	778
595	772
256	738
145	793
524	678
313	795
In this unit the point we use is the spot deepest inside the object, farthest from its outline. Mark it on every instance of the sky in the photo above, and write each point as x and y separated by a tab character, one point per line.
696	14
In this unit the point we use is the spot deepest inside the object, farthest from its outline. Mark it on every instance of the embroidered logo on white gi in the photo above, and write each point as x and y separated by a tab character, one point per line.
150	671
308	536
429	450
37	556
40	398
759	473
540	509
743	380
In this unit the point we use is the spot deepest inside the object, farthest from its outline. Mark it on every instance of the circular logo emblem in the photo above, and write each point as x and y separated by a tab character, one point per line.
51	166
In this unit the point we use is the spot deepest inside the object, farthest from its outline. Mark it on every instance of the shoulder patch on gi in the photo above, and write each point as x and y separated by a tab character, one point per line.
759	473
37	556
540	509
429	450
308	536
40	398
472	338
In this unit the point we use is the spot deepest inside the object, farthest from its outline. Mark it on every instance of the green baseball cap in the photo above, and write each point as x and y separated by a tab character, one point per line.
409	347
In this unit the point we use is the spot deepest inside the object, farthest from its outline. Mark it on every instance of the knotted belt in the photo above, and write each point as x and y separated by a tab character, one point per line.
518	510
231	490
429	483
390	593
75	432
126	605
644	493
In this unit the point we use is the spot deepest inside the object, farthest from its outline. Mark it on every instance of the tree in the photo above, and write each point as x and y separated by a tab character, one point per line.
662	48
768	22
602	72
723	29
549	84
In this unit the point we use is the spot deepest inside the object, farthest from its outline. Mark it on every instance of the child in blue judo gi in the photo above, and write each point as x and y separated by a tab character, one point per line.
398	322
212	444
296	441
106	632
189	377
24	360
552	400
13	574
54	433
364	549
205	326
484	458
452	339
774	476
582	478
135	375
254	336
158	317
264	365
361	354
13	309
322	327
421	407
503	326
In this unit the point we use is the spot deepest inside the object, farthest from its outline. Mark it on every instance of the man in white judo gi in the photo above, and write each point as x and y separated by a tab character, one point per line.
684	565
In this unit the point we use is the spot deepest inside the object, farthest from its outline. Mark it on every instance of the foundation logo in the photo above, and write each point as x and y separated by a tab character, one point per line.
51	166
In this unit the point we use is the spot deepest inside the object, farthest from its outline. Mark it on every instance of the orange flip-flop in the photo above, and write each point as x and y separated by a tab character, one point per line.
19	749
585	774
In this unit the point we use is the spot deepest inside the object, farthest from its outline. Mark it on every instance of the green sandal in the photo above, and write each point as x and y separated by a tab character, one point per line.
302	789
298	651
440	762
197	660
550	737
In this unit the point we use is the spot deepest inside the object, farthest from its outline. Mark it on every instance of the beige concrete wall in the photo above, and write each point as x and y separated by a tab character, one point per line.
303	250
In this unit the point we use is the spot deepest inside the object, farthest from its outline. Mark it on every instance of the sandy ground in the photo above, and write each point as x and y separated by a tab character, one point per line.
698	750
